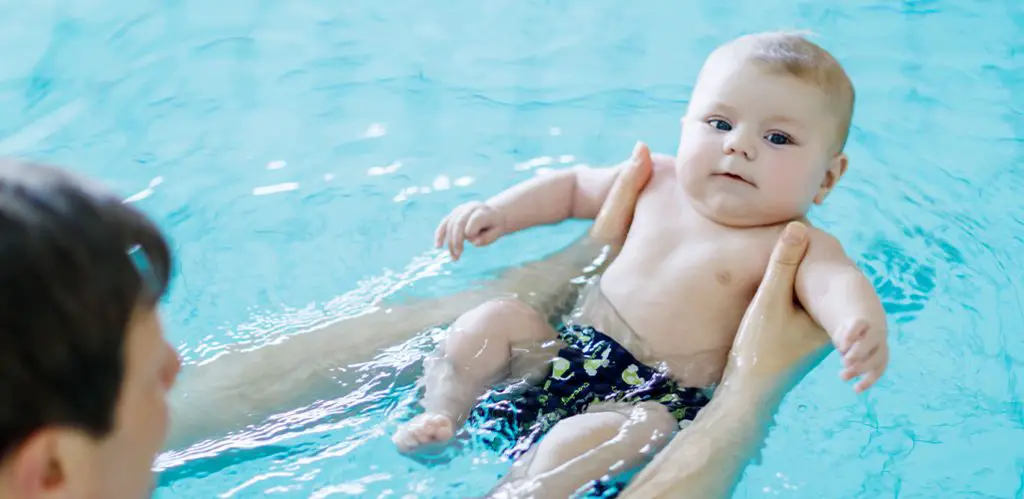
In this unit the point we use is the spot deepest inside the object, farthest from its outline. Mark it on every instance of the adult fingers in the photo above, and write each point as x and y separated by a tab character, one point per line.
784	262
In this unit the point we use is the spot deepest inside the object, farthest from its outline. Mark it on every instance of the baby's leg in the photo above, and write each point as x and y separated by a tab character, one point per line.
476	354
607	440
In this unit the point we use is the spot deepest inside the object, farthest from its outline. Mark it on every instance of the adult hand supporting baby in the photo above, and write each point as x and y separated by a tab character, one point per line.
777	343
776	334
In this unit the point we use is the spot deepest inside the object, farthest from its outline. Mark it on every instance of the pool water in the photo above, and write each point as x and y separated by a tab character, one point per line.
299	154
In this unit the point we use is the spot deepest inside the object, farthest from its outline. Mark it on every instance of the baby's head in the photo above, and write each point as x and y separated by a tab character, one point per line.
765	130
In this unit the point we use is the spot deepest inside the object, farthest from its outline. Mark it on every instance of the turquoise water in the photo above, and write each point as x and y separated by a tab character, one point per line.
300	153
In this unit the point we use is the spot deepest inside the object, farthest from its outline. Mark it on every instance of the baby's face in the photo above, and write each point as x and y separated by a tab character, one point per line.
756	146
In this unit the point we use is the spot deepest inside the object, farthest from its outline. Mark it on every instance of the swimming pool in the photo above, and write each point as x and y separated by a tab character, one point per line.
300	154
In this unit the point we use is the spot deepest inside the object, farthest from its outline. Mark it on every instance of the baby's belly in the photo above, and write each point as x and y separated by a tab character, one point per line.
682	328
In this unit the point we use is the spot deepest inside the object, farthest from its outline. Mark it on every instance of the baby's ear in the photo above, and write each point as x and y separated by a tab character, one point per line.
836	170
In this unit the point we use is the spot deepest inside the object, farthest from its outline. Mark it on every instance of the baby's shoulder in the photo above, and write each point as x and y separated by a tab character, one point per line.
766	237
664	170
817	234
814	233
823	246
664	164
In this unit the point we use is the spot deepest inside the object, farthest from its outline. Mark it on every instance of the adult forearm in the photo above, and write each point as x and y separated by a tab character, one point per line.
706	459
244	387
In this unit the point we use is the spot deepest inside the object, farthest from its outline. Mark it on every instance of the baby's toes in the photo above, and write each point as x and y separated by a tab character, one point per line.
422	430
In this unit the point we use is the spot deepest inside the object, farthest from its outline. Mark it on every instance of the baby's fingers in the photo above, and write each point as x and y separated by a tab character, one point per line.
868	380
441	233
476	225
457	233
860	352
854	361
487	237
848	373
851	334
871	370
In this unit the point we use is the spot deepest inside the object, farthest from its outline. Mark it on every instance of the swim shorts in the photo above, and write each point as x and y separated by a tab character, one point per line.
591	368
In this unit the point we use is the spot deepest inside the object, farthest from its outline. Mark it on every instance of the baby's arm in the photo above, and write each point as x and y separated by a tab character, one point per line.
548	199
843	301
554	197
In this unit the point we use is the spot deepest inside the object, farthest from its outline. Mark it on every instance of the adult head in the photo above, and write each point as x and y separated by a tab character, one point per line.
84	366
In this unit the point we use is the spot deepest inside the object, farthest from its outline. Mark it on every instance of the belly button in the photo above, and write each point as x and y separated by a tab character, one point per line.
723	277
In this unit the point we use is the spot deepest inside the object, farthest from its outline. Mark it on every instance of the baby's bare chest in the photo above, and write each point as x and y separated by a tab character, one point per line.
691	271
684	285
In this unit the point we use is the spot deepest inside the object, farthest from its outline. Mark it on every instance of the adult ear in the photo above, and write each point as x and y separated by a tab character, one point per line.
836	170
52	463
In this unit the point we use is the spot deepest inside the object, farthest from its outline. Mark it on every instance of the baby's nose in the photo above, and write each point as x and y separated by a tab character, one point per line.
736	144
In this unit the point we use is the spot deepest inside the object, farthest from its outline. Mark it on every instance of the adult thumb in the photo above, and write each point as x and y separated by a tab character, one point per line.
785	260
641	152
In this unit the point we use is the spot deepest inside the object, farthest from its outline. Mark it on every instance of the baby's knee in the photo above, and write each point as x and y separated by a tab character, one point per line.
578	434
506	317
654	421
503	310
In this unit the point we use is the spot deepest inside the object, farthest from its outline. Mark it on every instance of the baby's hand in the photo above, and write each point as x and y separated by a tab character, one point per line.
476	222
865	352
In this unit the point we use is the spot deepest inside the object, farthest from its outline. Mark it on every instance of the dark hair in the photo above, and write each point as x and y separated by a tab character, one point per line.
68	289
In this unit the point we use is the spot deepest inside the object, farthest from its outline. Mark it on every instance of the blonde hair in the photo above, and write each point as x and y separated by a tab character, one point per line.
790	52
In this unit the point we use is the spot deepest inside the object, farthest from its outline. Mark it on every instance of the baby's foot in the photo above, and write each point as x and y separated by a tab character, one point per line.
423	430
612	222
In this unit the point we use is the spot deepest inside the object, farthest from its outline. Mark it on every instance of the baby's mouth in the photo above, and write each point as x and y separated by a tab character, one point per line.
734	176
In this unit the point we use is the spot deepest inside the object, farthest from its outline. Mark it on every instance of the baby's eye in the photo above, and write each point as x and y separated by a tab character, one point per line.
718	124
779	139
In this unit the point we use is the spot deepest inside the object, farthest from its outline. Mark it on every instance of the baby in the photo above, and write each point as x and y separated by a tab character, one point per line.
762	140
